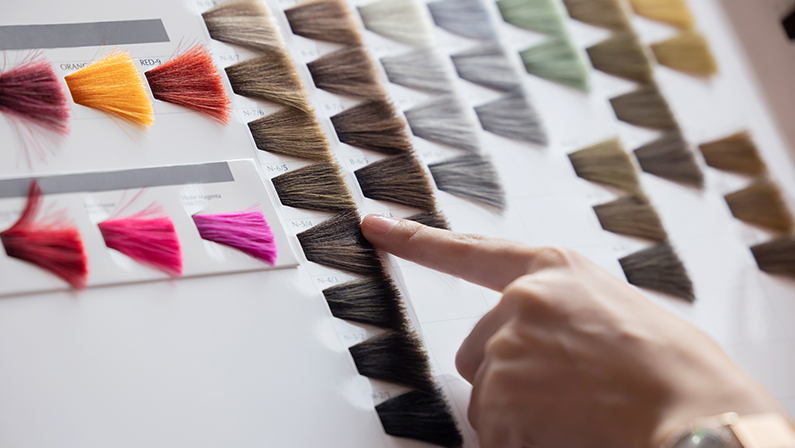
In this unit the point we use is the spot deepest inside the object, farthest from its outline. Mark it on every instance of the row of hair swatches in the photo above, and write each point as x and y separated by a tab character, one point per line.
33	93
148	237
397	355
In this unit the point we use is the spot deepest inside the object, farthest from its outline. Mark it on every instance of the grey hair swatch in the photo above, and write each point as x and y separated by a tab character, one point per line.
419	69
468	18
472	177
487	65
399	20
513	117
444	120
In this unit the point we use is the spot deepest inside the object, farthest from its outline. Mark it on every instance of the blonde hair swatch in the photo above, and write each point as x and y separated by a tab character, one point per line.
399	20
291	132
762	204
673	12
315	187
644	107
347	72
606	163
670	157
736	153
270	77
622	55
687	52
328	20
444	120
243	22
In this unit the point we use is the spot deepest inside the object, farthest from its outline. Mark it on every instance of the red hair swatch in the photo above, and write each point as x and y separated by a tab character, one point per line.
191	80
56	247
33	92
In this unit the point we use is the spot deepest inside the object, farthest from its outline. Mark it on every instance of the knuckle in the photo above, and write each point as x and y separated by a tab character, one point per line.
554	256
528	293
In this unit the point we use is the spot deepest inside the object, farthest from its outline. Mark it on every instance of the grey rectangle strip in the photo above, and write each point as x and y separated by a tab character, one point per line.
207	173
126	32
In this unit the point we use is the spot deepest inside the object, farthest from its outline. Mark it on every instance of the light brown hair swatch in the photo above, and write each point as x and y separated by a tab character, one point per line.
291	132
644	107
244	22
761	204
347	72
328	20
777	256
622	55
603	13
399	179
271	77
373	125
670	157
338	243
606	163
658	268
315	187
736	153
631	215
687	52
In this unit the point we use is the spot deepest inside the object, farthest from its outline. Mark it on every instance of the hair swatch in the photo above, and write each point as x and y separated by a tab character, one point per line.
762	204
246	231
644	107
399	179
420	69
470	176
243	22
291	132
468	18
687	52
736	153
556	60
622	55
372	301
606	163
534	15
399	20
271	77
191	80
114	86
512	117
328	20
315	187
394	357
33	93
431	219
420	415
670	157
338	243
658	268
148	237
444	120
347	72
487	65
604	13
52	246
631	215
673	12
373	125
777	256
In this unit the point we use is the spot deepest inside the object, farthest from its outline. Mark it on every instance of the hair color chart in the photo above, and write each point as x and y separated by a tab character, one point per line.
202	167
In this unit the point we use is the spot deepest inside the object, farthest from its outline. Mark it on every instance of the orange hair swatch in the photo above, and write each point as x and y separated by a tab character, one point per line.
113	85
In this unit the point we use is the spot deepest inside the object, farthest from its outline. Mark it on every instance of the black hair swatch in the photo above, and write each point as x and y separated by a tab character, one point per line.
420	415
373	301
395	357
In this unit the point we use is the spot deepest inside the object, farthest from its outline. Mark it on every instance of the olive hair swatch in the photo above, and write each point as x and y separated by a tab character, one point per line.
687	52
658	268
468	18
271	77
644	107
315	187
372	301
736	153
422	69
291	132
420	415
444	119
487	65
399	20
777	256
472	177
338	243
631	215
606	163
762	204
512	116
243	22
603	13
670	157
347	72
399	179
373	125
622	55
327	20
395	357
556	60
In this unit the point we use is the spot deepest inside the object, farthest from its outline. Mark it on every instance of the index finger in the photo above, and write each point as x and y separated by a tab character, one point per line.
489	262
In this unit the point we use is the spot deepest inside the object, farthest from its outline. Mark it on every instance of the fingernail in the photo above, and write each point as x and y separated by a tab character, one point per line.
379	224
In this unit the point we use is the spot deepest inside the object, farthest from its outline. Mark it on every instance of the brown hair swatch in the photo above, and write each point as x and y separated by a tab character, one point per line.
347	72
292	133
395	357
373	125
328	20
631	215
372	301
338	243
315	187
622	55
777	256
644	107
603	13
444	120
472	177
736	153
670	157
606	163
271	77
244	22
658	268
399	179
431	219
761	204
687	52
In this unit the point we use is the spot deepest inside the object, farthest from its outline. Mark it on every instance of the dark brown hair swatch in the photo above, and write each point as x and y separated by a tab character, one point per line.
468	18
761	204
444	120
431	219
420	415
291	132
399	179
512	116
604	13
670	157
246	23
422	69
631	215
644	107
472	177
777	256
622	55
373	125
736	153
315	187
271	77
395	357
328	20
372	301
338	243
487	65
658	268
347	72
606	163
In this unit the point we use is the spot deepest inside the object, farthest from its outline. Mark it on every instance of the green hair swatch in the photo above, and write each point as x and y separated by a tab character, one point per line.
557	60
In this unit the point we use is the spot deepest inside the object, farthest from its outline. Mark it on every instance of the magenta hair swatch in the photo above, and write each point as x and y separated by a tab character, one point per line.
147	237
34	93
56	247
246	231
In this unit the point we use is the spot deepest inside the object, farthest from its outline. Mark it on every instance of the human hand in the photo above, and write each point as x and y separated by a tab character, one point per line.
571	356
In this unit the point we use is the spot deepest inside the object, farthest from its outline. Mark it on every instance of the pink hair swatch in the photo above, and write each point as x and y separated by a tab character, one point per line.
56	247
246	231
146	238
33	92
